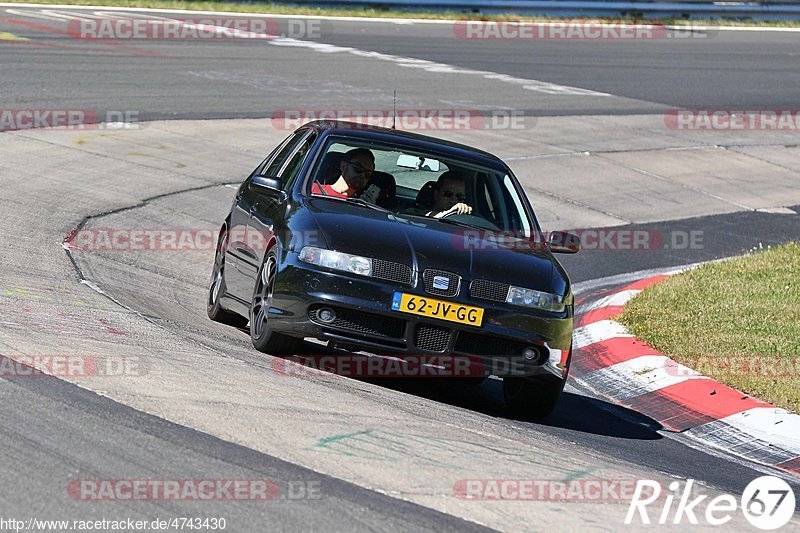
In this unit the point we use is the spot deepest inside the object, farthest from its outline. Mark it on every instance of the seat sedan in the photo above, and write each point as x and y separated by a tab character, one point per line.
400	245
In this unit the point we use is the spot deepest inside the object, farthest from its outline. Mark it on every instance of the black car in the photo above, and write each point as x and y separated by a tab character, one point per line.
435	252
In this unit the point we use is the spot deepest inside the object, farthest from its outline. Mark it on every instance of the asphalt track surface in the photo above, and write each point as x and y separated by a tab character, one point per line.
166	425
184	79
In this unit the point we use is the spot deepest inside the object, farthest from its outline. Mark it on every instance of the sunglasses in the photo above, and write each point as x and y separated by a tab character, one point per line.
360	169
449	194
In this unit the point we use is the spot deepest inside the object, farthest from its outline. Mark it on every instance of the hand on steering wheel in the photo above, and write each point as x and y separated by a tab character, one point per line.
458	209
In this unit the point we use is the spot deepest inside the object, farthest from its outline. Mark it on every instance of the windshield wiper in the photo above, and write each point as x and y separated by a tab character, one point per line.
364	203
463	224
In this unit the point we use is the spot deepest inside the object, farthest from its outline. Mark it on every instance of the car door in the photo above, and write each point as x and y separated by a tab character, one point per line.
242	256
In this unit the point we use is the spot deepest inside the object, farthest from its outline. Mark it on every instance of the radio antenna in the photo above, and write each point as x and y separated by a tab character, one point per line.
394	109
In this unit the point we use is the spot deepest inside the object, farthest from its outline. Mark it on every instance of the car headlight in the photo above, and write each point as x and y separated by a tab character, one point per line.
536	299
354	264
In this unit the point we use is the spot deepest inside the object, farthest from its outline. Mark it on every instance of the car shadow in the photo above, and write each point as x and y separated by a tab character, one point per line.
574	411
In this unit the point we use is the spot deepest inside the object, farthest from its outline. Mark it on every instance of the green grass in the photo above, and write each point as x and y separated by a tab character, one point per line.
737	321
281	9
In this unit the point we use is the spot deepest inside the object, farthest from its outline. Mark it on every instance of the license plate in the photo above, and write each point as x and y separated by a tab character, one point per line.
450	311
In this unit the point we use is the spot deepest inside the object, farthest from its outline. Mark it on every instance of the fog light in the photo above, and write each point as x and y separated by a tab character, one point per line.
326	315
530	353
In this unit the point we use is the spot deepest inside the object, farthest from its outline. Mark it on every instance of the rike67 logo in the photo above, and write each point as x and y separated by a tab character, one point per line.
767	502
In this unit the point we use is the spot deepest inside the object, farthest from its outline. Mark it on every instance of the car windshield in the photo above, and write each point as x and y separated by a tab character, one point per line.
412	183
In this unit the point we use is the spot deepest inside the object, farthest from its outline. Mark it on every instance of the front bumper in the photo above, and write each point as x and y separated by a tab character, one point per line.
365	322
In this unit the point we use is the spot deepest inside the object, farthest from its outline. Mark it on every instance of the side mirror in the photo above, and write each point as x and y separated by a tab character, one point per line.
563	242
269	185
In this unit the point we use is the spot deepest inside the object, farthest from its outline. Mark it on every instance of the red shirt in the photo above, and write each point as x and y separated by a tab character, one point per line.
326	190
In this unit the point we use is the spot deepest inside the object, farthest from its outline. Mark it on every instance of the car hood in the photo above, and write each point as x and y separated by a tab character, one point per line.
427	243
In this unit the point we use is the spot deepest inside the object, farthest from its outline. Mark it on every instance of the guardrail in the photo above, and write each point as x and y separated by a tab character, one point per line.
766	10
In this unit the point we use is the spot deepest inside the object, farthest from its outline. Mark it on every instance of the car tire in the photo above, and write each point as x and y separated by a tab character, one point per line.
531	398
216	289
264	339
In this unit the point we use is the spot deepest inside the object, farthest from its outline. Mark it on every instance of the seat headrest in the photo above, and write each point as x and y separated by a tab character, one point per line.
388	185
329	169
425	197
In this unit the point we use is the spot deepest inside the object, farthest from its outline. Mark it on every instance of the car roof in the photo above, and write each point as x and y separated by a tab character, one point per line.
413	140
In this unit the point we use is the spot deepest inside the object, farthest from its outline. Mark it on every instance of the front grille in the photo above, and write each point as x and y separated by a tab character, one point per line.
390	271
431	338
361	322
489	290
453	282
476	344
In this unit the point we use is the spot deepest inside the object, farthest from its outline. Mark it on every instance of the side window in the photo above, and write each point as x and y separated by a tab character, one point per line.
271	165
292	167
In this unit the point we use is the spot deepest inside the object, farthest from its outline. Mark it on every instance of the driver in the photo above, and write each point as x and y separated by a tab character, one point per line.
449	194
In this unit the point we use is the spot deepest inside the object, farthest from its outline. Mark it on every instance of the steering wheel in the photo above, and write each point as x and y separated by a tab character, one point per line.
472	220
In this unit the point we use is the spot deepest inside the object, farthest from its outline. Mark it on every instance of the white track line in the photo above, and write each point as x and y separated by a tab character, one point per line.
617	299
599	331
640	375
407	62
438	68
775	425
378	19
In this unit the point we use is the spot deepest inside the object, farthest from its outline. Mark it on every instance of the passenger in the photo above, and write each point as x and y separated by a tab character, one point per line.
449	194
355	171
